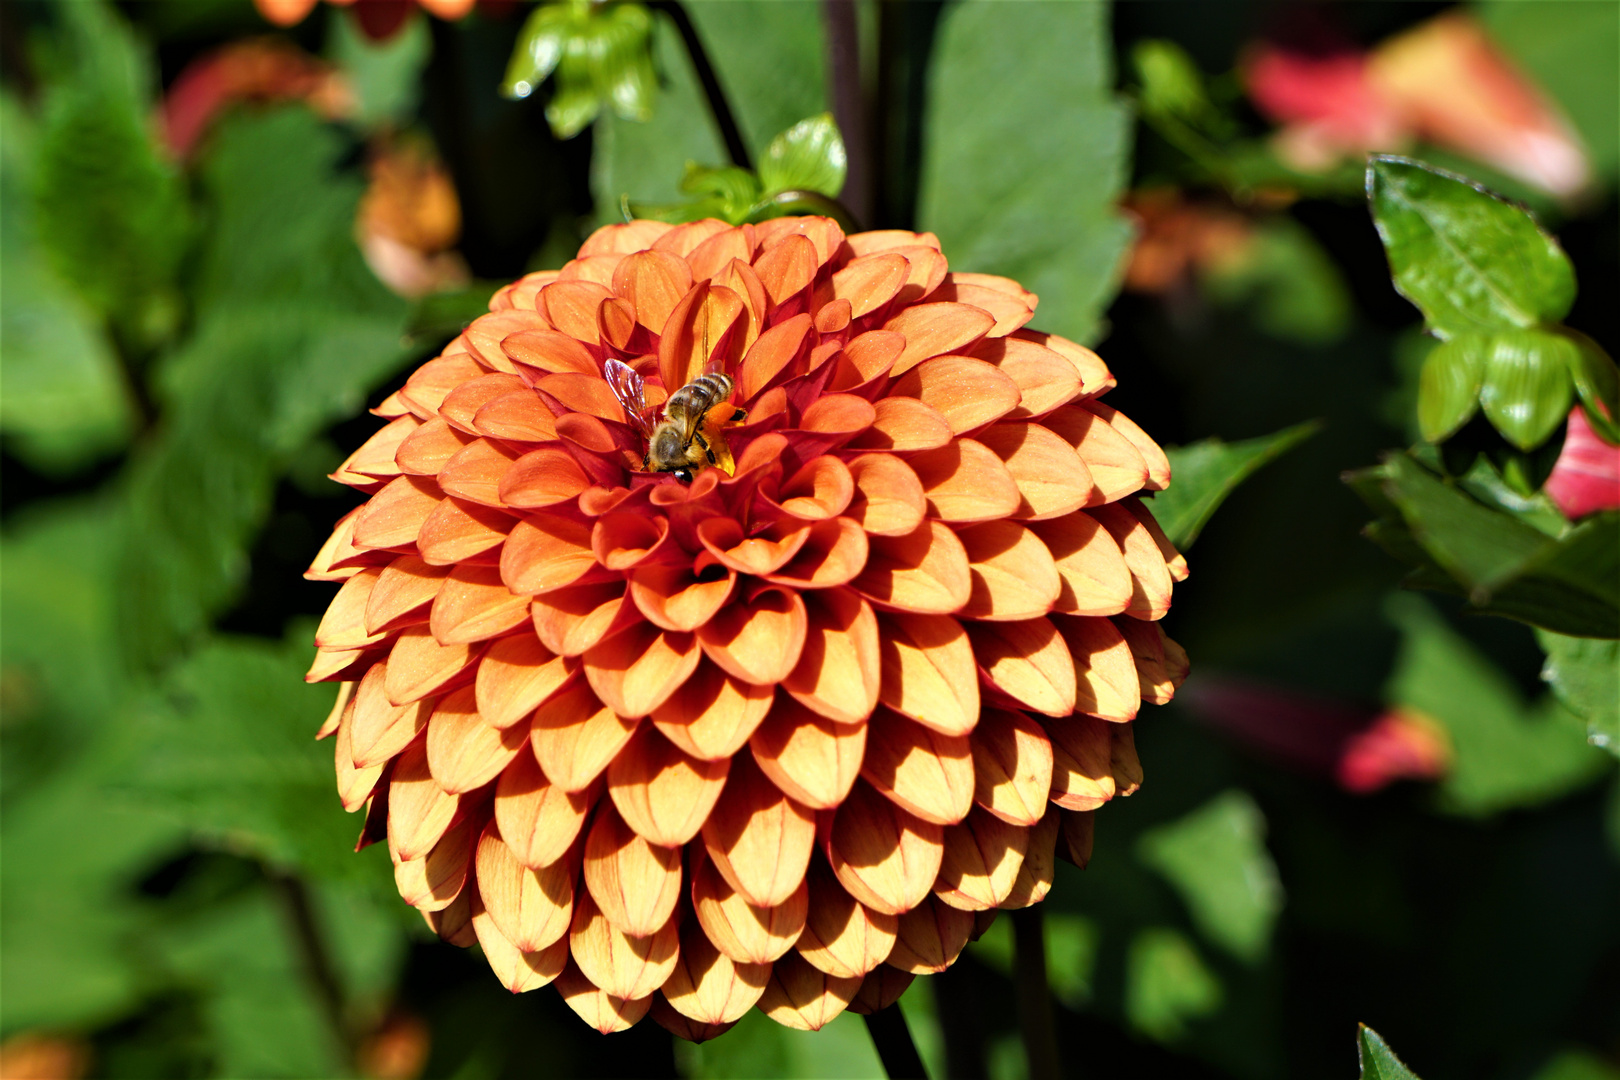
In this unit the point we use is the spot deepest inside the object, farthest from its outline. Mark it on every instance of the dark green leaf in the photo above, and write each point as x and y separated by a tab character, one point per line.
1027	153
1597	381
1217	860
1167	984
1525	391
1448	385
1505	753
807	156
769	56
1470	261
1378	1061
1205	473
1585	674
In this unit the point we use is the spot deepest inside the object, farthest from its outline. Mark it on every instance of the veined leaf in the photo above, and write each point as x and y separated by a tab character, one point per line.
1597	381
1469	260
1204	473
1378	1061
1585	674
1525	390
809	156
1448	385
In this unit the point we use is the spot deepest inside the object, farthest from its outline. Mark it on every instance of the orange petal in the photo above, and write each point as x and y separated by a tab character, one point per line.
454	923
842	936
484	336
623	239
1161	664
337	549
429	447
354	785
340	709
543	477
517	674
475	472
575	736
1014	576
937	329
873	353
1122	760
1116	467
982	858
635	884
623	966
928	773
708	986
800	996
571	620
461	407
1094	374
1077	836
344	624
930	938
429	384
1028	661
571	307
683	239
968	393
925	571
819	490
464	753
716	253
518	971
759	555
885	857
841	668
834	552
712	715
758	838
904	423
1040	862
680	1025
787	268
705	326
458	530
1082	778
597	1007
538	820
380	729
965	482
332	664
675	598
1010	303
1158	466
546	551
418	665
419	810
1012	766
1151	584
823	233
636	670
1045	380
1051	479
759	641
474	605
929	673
808	756
395	514
1105	670
741	279
583	393
654	282
375	458
663	793
742	931
1096	580
770	353
532	909
517	416
888	498
1173	559
880	989
870	281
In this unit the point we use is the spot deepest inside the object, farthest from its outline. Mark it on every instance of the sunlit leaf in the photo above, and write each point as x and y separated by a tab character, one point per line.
1468	259
1526	391
1448	385
1378	1061
1204	473
808	156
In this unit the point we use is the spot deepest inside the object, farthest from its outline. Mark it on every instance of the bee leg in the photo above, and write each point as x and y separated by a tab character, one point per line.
739	416
707	451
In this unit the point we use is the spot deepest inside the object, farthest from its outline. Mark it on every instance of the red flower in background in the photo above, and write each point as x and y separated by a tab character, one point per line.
1586	477
1443	81
259	70
790	734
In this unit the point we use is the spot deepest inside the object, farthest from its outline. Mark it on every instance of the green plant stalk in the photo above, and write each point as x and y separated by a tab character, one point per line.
1034	997
895	1049
719	108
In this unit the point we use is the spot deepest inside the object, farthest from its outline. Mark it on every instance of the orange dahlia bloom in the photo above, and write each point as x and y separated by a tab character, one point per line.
781	737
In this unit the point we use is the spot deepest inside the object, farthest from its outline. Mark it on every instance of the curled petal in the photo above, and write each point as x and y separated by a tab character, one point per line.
379	729
821	489
1161	664
546	551
1012	766
1151	583
759	555
1108	686
1045	380
463	752
571	620
884	856
541	478
842	936
713	714
787	268
484	336
708	986
636	670
653	282
430	383
1096	580
873	353
624	540
596	1006
715	253
870	281
475	472
419	810
395	514
834	553
929	673
1051	479
966	482
840	668
927	773
418	665
1040	862
1122	760
635	883
1028	661
1173	560
925	571
880	989
1094	374
1077	835
531	908
517	674
760	641
462	406
676	598
622	965
354	785
888	499
571	307
706	326
622	239
1116	467
1014	576
516	416
803	997
811	758
745	932
432	882
427	448
344	624
518	971
758	838
575	736
1010	303
663	793
538	820
771	353
1158	466
1082	771
375	458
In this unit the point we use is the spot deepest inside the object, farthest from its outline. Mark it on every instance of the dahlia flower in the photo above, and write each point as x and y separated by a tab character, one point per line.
789	734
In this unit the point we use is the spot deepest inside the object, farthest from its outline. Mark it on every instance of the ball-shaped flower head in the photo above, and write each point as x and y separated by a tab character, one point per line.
782	736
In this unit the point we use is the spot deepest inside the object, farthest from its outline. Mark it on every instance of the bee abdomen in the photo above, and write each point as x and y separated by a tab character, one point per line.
703	391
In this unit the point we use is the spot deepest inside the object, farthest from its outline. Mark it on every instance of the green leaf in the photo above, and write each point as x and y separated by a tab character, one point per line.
1204	473
1027	153
770	58
1448	385
539	48
1597	381
110	209
289	338
1378	1061
757	1046
1585	674
736	189
1216	859
808	156
1171	83
1469	260
1506	754
1526	387
1167	984
386	76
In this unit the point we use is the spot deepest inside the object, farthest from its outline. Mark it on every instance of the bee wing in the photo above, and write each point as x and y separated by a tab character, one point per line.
628	387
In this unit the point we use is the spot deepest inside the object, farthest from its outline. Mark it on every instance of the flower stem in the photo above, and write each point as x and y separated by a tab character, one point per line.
894	1046
319	968
719	108
849	105
1034	1000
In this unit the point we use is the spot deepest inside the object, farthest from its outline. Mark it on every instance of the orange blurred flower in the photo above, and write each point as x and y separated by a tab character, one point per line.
1176	236
262	69
378	18
790	734
1443	81
408	219
32	1055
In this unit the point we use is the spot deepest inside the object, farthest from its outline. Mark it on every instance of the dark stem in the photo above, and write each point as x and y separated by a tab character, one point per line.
1034	1000
719	108
849	103
894	1046
317	961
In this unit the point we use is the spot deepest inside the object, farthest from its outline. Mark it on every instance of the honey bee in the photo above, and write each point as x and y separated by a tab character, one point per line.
691	433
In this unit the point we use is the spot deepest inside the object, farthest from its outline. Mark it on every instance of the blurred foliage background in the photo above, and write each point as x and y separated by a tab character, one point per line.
220	240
